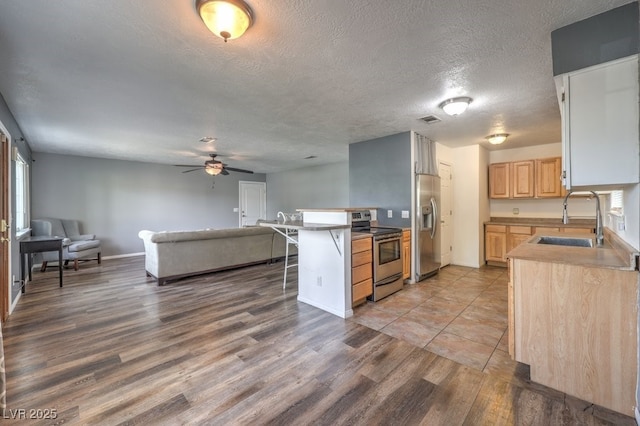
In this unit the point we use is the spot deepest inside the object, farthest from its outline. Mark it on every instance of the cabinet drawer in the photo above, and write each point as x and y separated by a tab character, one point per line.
543	229
577	230
362	290
520	230
495	228
360	244
361	273
361	258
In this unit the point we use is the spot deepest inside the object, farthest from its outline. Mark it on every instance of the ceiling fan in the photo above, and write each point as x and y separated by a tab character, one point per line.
214	167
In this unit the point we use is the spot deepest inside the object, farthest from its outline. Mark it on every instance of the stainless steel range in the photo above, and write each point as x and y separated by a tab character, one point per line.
387	254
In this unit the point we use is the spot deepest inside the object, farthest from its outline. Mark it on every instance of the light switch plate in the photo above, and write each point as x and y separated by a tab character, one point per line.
389	213
235	210
405	214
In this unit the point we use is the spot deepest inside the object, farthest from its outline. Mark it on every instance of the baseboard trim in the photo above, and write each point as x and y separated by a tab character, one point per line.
120	256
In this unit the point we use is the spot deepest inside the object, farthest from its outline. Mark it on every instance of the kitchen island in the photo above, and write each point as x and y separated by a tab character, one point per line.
324	258
573	317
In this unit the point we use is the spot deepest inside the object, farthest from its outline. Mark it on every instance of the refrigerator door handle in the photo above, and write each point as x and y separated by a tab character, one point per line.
434	208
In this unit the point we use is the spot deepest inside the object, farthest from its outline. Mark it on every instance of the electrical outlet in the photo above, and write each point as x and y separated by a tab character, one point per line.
389	213
516	211
405	214
319	281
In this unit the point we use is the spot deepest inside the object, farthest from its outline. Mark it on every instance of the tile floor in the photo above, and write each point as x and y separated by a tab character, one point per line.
460	314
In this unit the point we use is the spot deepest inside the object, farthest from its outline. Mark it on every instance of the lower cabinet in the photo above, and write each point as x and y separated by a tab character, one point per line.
361	270
406	254
501	239
576	327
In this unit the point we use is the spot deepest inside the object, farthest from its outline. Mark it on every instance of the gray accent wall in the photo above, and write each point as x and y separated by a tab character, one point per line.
601	38
115	199
380	176
311	187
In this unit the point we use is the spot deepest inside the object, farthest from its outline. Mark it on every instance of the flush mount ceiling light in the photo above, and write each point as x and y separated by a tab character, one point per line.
228	19
497	139
208	139
456	106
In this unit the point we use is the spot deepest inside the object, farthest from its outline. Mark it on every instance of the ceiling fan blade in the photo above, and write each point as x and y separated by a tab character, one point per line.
233	169
192	170
224	172
185	165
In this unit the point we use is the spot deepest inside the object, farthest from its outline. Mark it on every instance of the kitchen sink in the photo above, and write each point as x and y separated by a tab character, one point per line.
565	241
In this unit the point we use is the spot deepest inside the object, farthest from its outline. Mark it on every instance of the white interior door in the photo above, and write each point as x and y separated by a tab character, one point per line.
444	171
253	202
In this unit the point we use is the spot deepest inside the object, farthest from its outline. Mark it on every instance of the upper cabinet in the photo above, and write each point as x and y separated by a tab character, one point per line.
599	110
538	178
548	178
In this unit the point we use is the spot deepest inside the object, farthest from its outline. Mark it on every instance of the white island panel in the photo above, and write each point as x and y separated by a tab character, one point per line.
324	263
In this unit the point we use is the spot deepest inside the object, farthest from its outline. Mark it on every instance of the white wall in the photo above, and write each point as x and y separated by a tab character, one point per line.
549	207
311	187
470	208
116	199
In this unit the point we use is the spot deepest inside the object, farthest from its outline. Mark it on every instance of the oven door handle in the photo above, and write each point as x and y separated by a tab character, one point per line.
389	280
382	239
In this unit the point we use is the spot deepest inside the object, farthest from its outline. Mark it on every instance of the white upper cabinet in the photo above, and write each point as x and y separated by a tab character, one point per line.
599	109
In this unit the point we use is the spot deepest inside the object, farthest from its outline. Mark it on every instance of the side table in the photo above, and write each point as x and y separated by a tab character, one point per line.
40	244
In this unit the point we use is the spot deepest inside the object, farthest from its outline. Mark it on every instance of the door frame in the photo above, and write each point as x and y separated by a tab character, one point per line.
5	213
263	201
449	228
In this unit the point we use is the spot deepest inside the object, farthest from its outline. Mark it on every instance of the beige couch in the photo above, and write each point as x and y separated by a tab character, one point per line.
172	255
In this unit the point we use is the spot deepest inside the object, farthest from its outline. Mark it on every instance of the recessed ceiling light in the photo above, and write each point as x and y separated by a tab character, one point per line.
456	106
497	138
208	139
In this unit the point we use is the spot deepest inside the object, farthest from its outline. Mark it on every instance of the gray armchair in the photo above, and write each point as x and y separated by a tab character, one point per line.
75	246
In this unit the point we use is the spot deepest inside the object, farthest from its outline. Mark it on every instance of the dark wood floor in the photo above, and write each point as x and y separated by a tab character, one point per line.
232	348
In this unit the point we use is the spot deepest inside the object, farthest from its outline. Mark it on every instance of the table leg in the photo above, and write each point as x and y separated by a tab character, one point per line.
30	265
60	265
22	270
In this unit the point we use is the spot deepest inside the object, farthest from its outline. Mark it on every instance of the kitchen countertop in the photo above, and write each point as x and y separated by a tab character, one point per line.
306	226
360	235
338	209
615	254
542	221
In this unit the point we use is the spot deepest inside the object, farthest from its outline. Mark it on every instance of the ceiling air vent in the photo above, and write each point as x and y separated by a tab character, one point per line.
430	119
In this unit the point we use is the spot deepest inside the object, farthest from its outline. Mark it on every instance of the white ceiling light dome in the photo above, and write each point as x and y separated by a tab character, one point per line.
456	106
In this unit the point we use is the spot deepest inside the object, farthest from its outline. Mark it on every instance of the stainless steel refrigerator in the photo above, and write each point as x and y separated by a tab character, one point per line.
427	243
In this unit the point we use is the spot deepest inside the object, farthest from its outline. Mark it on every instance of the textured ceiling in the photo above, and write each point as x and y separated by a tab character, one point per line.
133	80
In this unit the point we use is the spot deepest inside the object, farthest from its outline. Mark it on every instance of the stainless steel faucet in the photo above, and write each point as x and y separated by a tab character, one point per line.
599	232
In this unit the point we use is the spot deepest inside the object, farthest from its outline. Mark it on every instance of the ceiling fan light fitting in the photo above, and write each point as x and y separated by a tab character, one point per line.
208	139
227	19
498	138
456	106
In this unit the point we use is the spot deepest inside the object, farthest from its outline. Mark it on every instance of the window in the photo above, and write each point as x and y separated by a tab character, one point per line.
22	194
616	202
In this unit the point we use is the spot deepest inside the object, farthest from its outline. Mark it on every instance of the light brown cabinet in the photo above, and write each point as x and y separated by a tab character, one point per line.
495	243
576	328
522	179
406	254
526	179
361	270
549	178
499	180
501	239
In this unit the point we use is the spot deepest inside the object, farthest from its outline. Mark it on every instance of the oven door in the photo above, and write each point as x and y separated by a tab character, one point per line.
387	257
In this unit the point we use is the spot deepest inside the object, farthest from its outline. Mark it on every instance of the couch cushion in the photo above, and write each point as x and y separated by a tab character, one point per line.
83	245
